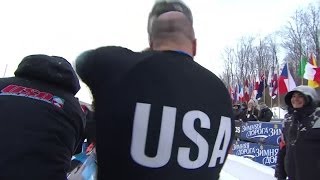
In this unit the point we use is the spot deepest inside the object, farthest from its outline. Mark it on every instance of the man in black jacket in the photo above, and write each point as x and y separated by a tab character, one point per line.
42	121
265	114
160	115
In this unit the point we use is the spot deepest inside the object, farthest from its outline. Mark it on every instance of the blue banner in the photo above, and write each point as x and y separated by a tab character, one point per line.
263	154
261	132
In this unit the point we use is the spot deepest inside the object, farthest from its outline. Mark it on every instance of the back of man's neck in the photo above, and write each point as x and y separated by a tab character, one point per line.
173	48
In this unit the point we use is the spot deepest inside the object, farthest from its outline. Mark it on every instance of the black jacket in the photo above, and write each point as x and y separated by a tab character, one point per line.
299	159
140	98
41	120
236	114
265	115
251	115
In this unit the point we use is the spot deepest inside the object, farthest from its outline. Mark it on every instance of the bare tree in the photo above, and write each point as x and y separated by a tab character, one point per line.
247	59
295	41
228	75
274	49
253	56
311	20
243	57
265	55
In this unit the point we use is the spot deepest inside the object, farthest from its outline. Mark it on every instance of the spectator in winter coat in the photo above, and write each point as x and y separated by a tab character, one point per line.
252	111
265	114
243	111
156	115
298	156
236	111
41	120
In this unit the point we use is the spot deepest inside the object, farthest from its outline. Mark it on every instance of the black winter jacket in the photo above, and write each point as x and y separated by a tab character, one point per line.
299	159
251	115
41	120
157	116
265	115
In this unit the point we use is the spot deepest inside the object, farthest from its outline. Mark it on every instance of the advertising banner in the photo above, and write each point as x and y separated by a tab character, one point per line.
261	132
264	154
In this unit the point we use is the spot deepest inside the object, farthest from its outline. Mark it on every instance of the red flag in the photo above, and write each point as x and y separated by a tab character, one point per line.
241	94
286	82
317	75
274	83
231	93
256	87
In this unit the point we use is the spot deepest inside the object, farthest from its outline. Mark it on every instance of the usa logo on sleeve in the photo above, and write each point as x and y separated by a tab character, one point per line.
15	90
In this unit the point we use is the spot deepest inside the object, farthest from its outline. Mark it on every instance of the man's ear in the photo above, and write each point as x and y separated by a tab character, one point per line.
194	47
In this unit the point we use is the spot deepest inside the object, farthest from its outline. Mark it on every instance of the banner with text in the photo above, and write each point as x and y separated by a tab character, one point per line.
259	132
264	154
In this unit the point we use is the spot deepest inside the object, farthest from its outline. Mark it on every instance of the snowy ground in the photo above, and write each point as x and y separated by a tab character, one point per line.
278	112
235	168
240	168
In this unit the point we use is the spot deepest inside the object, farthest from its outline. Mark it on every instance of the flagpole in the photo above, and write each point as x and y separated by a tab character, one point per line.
301	70
5	70
264	85
288	70
278	90
271	82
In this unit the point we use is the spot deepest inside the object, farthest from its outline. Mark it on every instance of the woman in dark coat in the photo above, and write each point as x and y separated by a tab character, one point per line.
252	112
299	157
265	114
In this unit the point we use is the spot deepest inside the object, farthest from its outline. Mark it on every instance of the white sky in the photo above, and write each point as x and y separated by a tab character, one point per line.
68	27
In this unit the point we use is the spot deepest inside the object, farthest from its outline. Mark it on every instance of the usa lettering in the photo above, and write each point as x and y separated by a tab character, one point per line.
20	90
164	151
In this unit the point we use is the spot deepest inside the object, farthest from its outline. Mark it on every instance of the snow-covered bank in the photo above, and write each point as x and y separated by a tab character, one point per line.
278	112
240	168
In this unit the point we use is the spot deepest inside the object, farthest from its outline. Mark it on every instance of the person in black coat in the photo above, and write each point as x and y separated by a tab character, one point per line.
157	116
298	156
42	121
251	113
265	114
236	111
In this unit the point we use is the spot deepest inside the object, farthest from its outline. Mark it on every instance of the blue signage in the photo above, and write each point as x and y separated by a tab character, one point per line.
263	154
261	132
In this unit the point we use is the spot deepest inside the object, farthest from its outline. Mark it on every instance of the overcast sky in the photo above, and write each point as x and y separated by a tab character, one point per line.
68	27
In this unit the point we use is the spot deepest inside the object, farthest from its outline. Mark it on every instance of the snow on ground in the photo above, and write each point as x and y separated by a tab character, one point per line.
240	168
278	114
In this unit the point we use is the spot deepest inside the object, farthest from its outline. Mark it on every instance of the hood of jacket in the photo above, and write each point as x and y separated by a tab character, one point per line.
310	95
51	69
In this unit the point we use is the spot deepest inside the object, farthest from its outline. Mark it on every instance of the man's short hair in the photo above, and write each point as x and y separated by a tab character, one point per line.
163	6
